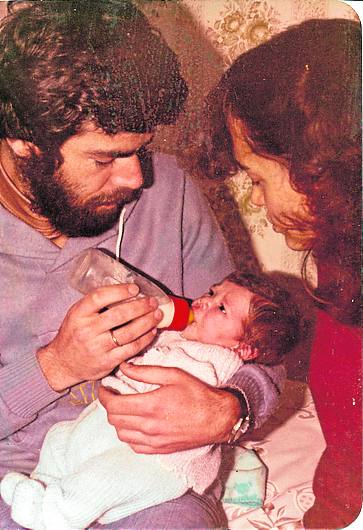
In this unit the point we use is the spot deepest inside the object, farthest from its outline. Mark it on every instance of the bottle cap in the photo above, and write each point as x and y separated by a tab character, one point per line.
183	314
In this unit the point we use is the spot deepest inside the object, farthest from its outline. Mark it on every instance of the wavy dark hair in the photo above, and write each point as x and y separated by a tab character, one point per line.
299	98
272	325
65	62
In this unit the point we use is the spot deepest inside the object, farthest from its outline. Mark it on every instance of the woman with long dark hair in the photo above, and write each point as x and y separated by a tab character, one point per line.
288	113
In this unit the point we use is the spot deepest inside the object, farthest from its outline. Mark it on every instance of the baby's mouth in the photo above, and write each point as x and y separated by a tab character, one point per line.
195	309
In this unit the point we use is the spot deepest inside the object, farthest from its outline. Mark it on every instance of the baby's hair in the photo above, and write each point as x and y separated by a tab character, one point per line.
272	325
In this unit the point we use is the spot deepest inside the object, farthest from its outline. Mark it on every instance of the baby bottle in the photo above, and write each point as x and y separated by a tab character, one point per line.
93	268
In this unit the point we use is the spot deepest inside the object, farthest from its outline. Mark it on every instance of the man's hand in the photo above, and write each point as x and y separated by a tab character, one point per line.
183	413
83	349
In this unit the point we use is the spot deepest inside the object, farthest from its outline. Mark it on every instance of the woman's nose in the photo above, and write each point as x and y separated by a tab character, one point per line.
127	173
257	196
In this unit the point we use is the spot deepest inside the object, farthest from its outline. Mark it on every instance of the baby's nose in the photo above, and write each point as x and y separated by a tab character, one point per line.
199	303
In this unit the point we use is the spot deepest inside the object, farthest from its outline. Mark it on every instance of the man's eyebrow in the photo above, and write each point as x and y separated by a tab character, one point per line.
114	154
118	154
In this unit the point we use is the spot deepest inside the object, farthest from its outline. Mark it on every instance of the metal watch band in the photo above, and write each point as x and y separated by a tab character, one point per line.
238	430
244	422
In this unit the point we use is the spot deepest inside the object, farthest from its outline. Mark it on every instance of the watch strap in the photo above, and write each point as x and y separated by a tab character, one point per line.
244	422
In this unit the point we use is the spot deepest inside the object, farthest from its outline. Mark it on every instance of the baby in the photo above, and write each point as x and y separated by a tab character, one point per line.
86	474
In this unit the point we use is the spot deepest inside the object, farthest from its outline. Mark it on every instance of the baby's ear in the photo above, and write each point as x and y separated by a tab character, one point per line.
245	352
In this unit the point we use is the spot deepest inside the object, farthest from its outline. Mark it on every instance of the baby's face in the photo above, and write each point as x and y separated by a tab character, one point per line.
219	315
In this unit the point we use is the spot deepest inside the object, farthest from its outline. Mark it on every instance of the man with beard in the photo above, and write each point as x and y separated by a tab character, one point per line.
83	85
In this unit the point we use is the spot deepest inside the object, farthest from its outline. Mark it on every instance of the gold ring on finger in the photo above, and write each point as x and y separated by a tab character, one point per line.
114	340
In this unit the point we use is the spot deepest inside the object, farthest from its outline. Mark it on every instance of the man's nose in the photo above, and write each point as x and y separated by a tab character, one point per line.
257	196
127	173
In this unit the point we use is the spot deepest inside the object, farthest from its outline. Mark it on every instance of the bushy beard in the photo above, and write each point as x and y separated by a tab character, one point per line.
57	199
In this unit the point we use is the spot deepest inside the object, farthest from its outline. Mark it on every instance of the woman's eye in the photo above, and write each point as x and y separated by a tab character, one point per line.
222	308
103	163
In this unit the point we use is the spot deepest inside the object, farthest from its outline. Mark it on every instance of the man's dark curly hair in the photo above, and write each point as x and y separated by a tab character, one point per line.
272	325
66	62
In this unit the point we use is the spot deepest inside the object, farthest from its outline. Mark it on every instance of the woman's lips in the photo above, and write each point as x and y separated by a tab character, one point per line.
275	227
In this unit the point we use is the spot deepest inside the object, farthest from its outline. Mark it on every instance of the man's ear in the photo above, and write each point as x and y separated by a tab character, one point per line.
245	352
22	148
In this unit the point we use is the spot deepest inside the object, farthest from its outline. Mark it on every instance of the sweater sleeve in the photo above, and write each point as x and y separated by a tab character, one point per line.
261	385
206	257
24	391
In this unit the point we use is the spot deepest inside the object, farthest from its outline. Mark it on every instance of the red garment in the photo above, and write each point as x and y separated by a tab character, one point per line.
335	382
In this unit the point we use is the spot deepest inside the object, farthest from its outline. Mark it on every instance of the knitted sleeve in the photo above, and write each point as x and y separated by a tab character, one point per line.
23	392
261	386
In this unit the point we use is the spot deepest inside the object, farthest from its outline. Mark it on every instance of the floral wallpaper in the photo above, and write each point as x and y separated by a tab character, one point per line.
242	26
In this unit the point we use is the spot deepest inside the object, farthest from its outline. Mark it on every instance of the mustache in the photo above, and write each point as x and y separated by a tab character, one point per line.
118	197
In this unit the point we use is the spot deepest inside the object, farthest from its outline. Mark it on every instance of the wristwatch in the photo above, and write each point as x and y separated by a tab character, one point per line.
243	423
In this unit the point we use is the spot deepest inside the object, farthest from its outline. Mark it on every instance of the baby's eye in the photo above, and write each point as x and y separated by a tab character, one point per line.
222	308
210	292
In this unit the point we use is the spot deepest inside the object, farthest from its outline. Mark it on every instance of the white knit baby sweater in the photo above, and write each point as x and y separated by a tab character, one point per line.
85	473
210	363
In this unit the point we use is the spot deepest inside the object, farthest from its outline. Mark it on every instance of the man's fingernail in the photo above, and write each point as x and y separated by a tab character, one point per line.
133	289
158	313
153	303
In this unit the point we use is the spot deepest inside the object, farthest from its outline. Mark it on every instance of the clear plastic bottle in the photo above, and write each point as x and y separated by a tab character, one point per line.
93	268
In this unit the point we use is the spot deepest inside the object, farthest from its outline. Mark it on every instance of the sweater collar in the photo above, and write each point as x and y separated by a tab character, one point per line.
19	239
16	198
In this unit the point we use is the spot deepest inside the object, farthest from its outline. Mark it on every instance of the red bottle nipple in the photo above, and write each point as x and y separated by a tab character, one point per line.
183	314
